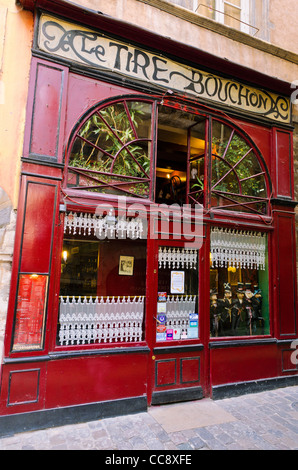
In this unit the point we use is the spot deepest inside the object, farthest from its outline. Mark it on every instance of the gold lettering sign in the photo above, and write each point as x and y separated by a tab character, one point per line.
92	49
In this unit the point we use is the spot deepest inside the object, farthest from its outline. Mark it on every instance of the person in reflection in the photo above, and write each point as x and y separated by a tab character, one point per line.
238	308
250	319
214	313
257	307
226	309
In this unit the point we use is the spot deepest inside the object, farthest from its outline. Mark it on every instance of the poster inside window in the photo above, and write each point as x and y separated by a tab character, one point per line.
30	312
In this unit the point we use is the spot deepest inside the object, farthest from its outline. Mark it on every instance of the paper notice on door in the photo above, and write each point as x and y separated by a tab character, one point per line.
177	282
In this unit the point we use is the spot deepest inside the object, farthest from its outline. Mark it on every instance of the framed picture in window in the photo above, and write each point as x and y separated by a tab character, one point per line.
126	265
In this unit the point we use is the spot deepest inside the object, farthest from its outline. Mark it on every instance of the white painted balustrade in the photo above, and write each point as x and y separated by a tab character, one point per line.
99	320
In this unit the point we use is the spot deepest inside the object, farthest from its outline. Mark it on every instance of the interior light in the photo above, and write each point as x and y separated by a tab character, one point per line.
232	269
64	255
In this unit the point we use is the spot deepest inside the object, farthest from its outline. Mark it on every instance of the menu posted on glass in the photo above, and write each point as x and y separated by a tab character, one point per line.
177	282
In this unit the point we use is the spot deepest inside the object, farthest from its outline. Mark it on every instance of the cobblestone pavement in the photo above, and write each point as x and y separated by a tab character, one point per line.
260	421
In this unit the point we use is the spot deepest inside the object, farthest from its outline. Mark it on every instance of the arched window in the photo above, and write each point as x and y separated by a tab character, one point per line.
111	150
195	159
235	178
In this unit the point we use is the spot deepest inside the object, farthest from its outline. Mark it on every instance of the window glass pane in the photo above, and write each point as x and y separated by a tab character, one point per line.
85	155
196	180
118	126
132	161
102	291
114	141
177	303
221	135
237	148
140	115
175	127
233	14
197	162
223	179
238	181
254	186
206	8
95	131
239	304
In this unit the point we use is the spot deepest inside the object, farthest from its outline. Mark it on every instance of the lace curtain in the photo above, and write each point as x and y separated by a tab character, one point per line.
240	249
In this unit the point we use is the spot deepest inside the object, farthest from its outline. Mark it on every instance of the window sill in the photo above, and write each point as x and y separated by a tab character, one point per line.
76	351
224	342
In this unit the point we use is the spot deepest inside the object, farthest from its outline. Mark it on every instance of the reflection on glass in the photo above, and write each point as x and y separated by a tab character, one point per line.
179	133
238	181
232	11
197	162
238	302
102	291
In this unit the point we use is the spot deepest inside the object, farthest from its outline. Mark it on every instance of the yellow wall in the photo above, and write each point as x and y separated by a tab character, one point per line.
16	33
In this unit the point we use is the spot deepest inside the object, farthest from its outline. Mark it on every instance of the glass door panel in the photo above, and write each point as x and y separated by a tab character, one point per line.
177	315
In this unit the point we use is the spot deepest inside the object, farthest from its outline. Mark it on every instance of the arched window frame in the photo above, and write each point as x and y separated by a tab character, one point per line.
95	175
208	155
209	190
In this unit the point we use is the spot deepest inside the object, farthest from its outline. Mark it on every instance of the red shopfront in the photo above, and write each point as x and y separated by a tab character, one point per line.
155	247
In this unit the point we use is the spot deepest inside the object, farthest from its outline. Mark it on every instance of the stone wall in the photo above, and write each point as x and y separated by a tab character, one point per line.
7	234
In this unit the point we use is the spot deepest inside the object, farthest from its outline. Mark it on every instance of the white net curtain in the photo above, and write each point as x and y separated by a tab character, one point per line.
239	249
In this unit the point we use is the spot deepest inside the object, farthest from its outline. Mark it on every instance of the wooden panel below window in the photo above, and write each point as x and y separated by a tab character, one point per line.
189	370
165	372
23	386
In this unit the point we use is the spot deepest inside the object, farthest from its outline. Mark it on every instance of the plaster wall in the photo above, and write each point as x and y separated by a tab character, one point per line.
283	22
7	234
16	32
